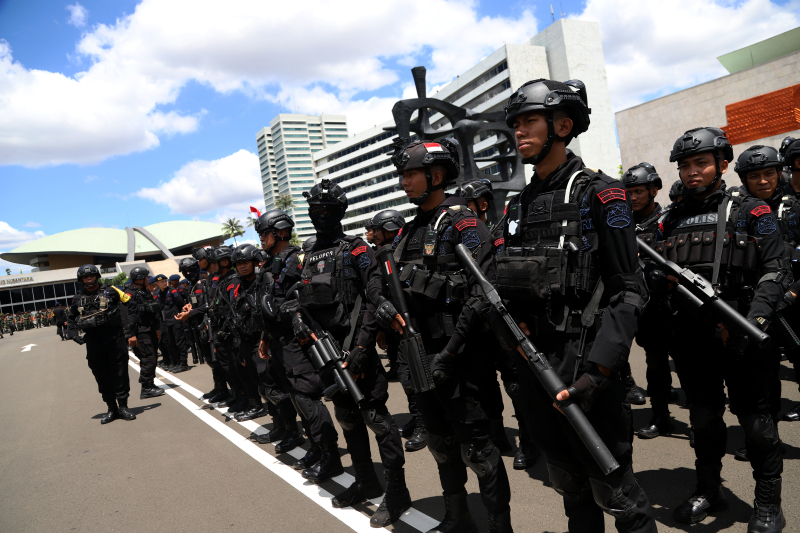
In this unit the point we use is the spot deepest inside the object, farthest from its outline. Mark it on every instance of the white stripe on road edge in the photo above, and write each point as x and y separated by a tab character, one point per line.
414	518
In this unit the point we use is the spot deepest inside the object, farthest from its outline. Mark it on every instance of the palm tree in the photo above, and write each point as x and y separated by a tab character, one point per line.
284	202
232	228
8	272
295	240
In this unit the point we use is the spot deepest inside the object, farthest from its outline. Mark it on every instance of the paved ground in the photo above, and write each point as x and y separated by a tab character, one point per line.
182	468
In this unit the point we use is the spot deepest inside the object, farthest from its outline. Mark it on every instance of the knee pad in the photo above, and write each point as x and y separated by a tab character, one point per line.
441	447
704	419
760	430
482	461
305	406
378	423
620	501
346	418
568	484
270	394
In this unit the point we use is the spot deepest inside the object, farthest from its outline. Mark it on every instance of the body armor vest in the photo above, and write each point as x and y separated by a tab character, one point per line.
149	308
272	280
647	229
249	318
94	311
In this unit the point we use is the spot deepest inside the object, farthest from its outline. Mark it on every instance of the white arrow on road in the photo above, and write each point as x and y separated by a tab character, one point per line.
27	348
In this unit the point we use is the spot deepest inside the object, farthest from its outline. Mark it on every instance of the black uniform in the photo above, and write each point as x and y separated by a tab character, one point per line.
591	269
99	316
219	310
199	297
61	318
175	329
143	323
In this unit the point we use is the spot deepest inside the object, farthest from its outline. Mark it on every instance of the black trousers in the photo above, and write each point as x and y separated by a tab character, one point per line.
177	344
249	365
217	373
60	330
146	352
373	414
657	342
163	346
227	355
568	458
107	356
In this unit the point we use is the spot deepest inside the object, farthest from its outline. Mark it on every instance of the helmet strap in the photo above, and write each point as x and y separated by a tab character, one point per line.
422	198
548	143
711	186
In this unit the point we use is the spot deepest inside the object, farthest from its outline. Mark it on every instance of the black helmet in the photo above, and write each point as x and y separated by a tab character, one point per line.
85	270
477	189
790	150
676	190
205	252
424	155
190	268
327	203
273	221
642	174
138	273
548	95
309	243
755	158
700	140
245	252
388	220
223	252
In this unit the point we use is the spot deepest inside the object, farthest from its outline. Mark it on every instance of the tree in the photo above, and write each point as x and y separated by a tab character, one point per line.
8	272
232	228
284	202
295	240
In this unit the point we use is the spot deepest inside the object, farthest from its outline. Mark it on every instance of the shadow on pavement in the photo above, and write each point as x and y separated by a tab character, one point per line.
142	408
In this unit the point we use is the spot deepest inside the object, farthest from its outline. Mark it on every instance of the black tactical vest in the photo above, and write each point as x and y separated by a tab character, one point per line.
272	279
149	308
96	310
249	318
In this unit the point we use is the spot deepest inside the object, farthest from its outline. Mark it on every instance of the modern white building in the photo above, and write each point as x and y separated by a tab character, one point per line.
568	49
285	152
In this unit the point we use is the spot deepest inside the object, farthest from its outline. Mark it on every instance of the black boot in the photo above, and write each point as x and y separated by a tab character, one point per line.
456	516
237	405
497	434
500	523
526	457
149	390
396	502
741	454
365	487
291	440
767	513
275	434
255	410
112	414
181	367
210	394
124	412
408	429
419	439
329	465
707	498
223	395
674	397
660	424
793	415
309	459
635	396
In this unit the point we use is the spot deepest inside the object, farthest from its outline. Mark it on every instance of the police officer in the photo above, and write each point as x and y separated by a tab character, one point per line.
178	346
61	320
141	329
642	184
732	240
369	232
437	295
572	227
790	152
98	315
337	290
676	193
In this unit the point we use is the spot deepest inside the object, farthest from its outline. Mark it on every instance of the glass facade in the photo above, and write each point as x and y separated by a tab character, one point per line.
26	299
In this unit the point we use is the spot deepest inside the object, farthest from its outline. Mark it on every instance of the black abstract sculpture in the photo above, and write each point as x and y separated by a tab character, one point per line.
465	125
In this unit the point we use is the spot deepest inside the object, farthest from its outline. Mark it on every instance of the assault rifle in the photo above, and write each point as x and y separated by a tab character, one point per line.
547	377
699	293
411	346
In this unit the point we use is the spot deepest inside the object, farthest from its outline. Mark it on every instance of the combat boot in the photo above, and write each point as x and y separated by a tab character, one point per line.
311	458
707	498
408	429
124	412
149	390
183	367
419	439
457	518
789	416
255	410
291	440
275	434
329	465
660	424
112	414
767	513
365	487
223	395
635	396
497	434
396	502
210	394
500	523
527	456
236	405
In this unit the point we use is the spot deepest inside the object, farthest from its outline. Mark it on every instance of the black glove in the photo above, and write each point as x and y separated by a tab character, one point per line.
301	331
512	389
289	309
356	360
588	387
657	280
442	367
385	313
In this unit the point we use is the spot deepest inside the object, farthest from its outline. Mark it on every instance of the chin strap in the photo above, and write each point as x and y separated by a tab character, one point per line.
548	144
710	187
422	198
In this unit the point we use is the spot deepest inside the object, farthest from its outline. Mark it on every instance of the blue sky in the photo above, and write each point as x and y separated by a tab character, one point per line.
101	102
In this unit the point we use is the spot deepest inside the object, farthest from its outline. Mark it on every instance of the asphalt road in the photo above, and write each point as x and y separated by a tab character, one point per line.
179	467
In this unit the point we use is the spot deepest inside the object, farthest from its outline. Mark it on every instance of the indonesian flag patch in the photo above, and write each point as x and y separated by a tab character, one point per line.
434	147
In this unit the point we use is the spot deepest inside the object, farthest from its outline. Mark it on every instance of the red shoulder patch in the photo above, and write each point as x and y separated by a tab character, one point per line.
230	287
466	223
499	242
198	292
236	291
761	210
360	250
400	232
611	194
174	291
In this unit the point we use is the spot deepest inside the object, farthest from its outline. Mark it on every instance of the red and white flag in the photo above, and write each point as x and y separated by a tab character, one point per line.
255	213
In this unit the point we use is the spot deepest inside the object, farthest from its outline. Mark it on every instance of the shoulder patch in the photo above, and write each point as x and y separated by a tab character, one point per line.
499	242
230	287
617	215
359	250
611	194
760	210
466	223
766	226
198	292
470	238
364	261
236	291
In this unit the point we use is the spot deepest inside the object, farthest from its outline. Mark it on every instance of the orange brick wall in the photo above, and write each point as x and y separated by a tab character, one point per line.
764	115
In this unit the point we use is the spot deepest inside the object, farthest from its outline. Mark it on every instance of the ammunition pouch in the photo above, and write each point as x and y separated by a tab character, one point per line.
92	322
435	287
523	277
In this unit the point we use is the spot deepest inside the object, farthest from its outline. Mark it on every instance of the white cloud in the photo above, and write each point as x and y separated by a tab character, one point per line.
32	225
200	187
11	238
332	50
77	15
653	47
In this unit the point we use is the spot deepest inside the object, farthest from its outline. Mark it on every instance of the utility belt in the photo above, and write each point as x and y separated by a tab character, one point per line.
435	287
698	247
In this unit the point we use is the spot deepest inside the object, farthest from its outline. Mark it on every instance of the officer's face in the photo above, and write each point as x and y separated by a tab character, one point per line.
763	182
370	236
213	268
640	195
414	182
203	264
267	240
531	133
478	207
699	170
89	279
162	284
244	268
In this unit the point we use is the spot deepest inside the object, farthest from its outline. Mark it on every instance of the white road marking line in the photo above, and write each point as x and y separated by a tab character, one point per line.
414	518
27	348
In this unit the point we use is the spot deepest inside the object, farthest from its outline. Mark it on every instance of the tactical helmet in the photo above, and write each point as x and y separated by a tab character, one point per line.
548	95
700	140
223	252
790	150
477	189
642	174
244	252
676	190
205	252
424	155
388	220
309	243
755	158
86	270
327	203
190	268
138	273
274	219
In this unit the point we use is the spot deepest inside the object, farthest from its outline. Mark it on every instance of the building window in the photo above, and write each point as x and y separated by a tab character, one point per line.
363	144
